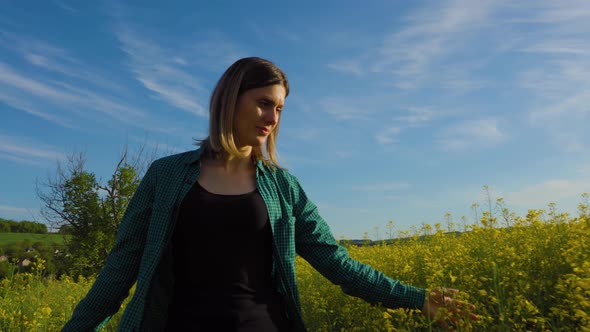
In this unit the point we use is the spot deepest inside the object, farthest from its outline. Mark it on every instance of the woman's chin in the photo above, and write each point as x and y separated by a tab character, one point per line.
260	142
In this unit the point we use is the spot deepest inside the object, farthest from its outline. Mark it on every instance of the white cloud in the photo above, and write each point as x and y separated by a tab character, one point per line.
347	67
25	105
12	78
560	46
267	32
551	12
5	208
30	94
63	5
18	213
573	106
384	187
160	71
179	60
470	134
215	52
560	82
24	150
345	109
51	58
429	37
388	135
541	194
416	116
307	133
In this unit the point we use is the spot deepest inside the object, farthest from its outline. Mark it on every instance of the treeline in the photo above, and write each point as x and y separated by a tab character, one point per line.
12	226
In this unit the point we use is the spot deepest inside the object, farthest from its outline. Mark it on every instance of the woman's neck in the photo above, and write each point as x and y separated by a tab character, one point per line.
232	164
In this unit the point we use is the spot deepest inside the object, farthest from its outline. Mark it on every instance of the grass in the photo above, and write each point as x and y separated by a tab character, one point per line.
49	239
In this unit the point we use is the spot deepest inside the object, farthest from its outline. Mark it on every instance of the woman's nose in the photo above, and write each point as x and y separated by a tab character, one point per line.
272	116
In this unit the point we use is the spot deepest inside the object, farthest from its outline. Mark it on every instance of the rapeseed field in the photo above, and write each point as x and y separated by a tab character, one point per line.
527	273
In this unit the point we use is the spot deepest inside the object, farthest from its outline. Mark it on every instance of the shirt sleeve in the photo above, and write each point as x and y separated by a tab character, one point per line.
316	244
122	264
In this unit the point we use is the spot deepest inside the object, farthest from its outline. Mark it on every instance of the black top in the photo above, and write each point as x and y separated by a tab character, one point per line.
222	263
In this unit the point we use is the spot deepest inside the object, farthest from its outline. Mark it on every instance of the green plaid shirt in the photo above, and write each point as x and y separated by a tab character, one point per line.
141	252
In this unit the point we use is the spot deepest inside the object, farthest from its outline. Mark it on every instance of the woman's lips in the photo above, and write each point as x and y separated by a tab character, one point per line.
263	130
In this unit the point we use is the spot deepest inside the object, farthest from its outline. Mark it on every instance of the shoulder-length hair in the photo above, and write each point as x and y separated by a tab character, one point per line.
245	74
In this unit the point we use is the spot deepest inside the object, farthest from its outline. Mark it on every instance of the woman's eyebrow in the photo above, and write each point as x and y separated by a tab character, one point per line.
269	99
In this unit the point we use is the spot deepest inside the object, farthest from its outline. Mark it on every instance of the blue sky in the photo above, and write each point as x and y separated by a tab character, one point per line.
398	111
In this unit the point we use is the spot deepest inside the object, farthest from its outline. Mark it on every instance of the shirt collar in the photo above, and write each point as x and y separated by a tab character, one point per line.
195	155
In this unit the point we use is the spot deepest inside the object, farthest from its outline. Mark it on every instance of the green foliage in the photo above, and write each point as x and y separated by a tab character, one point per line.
7	225
88	210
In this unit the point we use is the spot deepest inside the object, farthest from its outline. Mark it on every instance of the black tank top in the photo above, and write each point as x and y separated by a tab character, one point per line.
222	248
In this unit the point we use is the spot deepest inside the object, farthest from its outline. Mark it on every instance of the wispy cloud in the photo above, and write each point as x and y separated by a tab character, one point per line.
345	108
25	150
161	72
54	59
18	213
560	46
307	134
64	99
215	52
560	81
11	77
347	67
551	12
414	54
25	105
268	32
430	35
64	96
388	135
383	187
539	195
414	117
12	209
63	5
469	134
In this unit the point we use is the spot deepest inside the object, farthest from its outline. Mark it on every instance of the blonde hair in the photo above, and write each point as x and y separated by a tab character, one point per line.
245	74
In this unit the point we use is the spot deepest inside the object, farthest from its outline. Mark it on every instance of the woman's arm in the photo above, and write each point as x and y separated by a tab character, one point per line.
122	264
316	244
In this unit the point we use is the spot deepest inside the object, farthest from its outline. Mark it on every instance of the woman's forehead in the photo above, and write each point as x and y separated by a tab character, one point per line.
275	92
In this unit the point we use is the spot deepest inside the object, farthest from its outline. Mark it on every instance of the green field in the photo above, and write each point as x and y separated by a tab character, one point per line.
50	239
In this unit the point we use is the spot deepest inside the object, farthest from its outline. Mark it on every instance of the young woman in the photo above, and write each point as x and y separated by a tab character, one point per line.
211	235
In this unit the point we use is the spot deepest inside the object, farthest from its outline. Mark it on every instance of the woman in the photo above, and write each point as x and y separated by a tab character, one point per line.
211	235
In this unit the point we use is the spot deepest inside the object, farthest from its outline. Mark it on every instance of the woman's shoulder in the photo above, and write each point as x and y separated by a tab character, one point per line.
278	172
286	181
175	160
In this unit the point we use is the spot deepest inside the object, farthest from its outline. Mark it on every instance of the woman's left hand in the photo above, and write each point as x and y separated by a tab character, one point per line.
454	309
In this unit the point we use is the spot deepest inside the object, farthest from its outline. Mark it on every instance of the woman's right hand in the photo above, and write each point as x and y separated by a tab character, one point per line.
454	309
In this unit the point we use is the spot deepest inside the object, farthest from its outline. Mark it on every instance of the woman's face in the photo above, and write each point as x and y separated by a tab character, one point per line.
257	115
